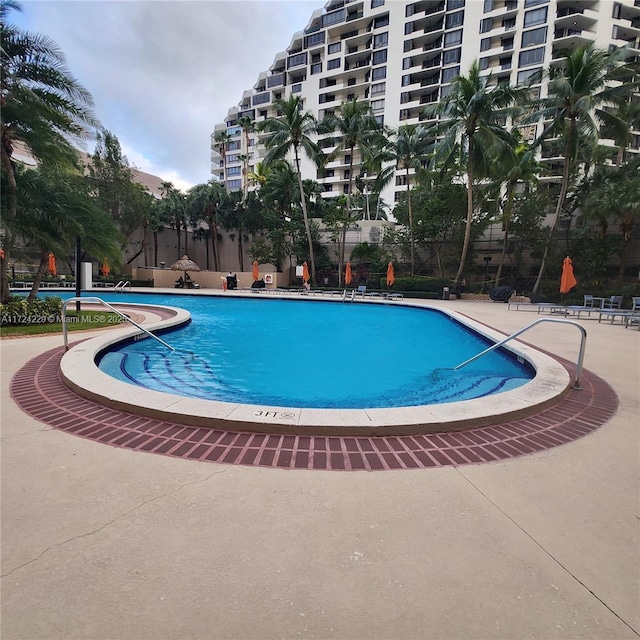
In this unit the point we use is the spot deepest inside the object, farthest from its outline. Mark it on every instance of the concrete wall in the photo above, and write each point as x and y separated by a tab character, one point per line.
209	279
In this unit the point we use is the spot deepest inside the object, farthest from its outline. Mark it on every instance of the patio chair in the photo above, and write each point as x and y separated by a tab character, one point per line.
614	302
588	301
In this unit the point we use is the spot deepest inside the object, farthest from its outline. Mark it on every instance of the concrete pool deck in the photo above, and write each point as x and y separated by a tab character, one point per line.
99	542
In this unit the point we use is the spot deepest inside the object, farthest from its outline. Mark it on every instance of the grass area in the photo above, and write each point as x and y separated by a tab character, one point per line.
83	321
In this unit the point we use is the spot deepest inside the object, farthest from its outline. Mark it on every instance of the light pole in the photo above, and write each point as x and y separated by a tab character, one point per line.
487	260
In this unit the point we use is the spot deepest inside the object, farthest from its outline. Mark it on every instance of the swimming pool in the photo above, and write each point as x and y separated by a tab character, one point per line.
315	354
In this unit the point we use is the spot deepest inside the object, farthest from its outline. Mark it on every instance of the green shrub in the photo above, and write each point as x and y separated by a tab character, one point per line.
419	283
40	311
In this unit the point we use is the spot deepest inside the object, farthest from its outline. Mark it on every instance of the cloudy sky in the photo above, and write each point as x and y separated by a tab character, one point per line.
163	73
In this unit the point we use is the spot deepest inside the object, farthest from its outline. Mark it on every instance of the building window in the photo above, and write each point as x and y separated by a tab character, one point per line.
232	157
534	37
297	60
296	88
314	38
379	57
233	171
535	16
347	159
532	3
488	6
529	75
233	184
380	119
378	88
377	3
407	63
261	98
454	19
334	64
484	63
531	56
327	187
485	25
507	43
334	48
454	4
450	73
329	173
234	145
451	56
381	21
334	17
377	105
275	81
485	44
381	40
379	73
509	23
453	38
316	68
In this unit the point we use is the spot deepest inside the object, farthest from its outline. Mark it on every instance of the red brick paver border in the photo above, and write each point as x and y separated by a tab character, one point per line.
39	391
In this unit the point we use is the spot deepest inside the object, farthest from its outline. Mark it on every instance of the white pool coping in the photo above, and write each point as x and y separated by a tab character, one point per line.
80	373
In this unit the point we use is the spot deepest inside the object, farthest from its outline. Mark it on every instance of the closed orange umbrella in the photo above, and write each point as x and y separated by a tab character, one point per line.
305	272
390	276
568	280
347	274
52	265
256	270
104	269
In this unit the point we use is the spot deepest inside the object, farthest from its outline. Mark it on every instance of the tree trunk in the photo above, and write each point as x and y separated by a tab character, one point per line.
12	198
411	248
42	267
179	234
561	197
240	250
214	241
307	226
155	248
343	240
467	230
507	220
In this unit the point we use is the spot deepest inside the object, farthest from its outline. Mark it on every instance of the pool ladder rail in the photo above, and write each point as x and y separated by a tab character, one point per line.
122	285
94	299
583	340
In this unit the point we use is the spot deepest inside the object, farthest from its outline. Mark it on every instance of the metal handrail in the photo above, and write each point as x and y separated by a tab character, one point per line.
106	304
576	384
122	285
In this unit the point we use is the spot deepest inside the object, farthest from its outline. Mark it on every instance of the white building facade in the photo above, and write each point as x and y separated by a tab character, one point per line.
401	55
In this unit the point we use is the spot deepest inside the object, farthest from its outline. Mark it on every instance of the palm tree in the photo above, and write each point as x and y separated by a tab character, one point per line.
578	94
42	106
408	146
220	140
524	169
293	131
174	206
206	202
356	127
470	121
55	208
247	125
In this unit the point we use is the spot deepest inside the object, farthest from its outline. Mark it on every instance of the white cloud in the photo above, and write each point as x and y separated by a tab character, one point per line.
162	74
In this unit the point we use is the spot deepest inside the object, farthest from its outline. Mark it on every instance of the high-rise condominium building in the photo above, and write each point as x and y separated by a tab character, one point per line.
402	55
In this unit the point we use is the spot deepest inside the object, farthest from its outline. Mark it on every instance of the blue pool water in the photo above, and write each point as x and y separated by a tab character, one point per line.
312	354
